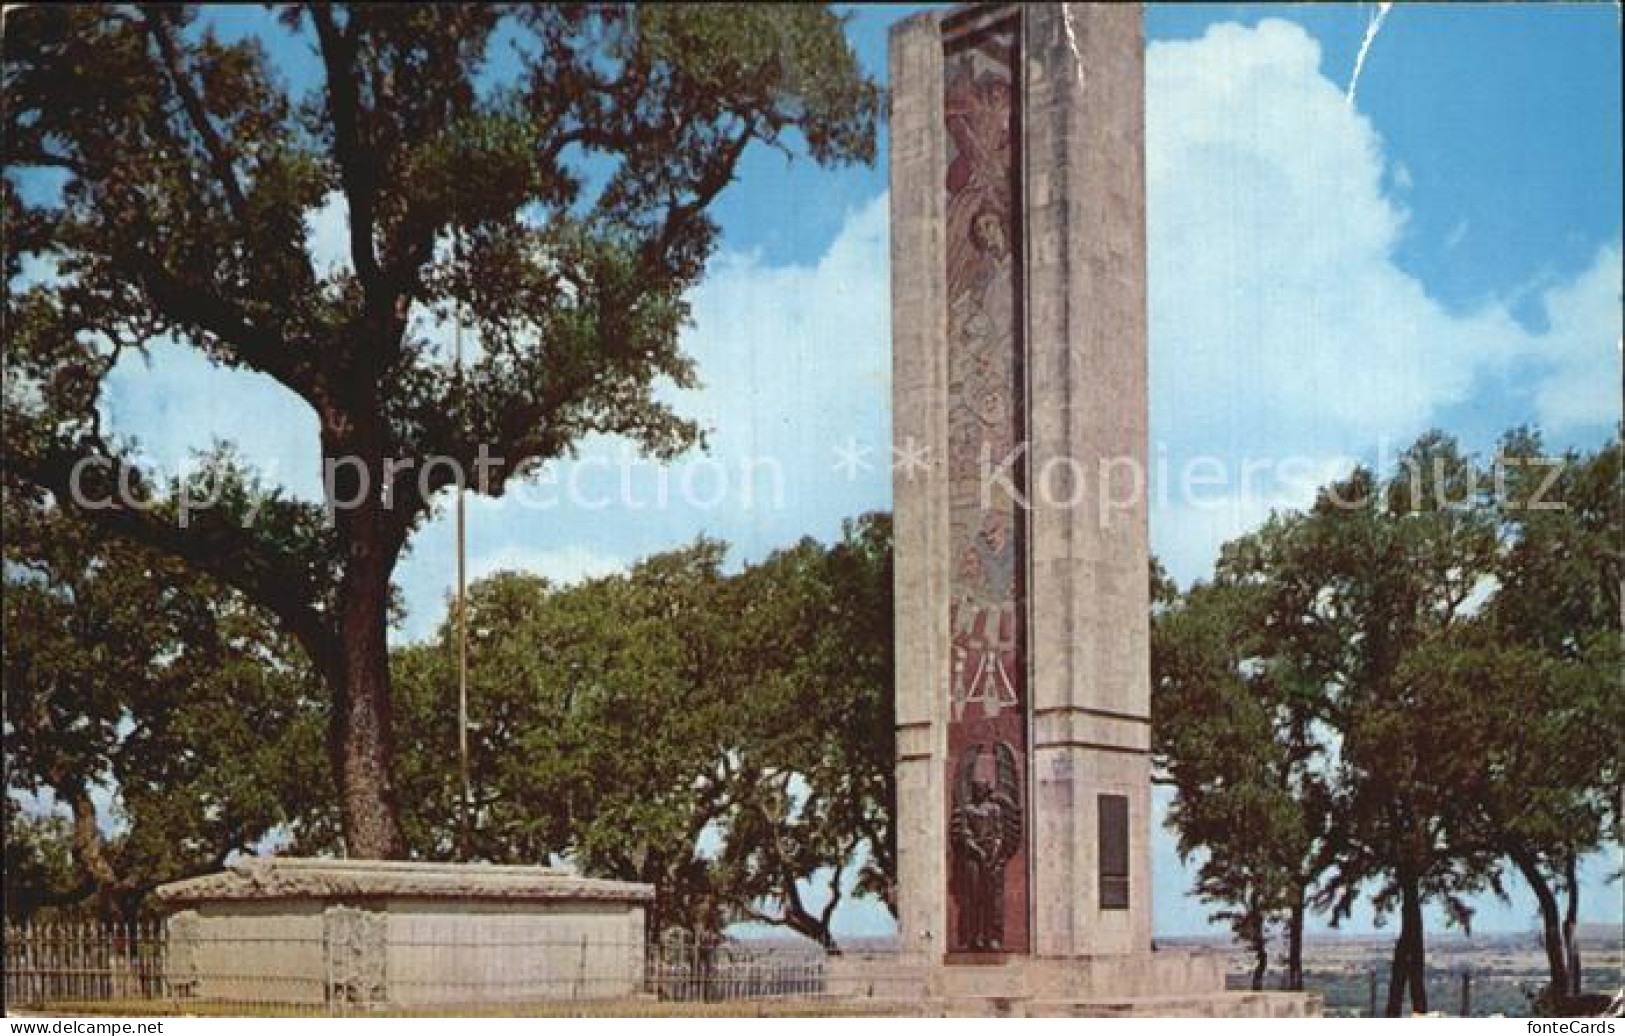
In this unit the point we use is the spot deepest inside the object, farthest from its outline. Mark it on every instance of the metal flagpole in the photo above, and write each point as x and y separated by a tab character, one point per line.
465	818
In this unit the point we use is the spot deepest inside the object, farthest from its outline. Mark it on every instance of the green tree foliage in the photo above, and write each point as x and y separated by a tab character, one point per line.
814	785
1203	711
725	738
553	191
127	674
1402	693
1540	675
1394	564
40	872
1233	721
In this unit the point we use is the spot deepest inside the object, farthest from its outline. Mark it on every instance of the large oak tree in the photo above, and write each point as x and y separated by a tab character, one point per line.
1235	719
724	737
1425	667
544	169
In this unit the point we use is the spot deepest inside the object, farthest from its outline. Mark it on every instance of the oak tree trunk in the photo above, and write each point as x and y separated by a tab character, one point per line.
90	852
1294	942
1551	932
362	740
1411	905
1571	927
1398	973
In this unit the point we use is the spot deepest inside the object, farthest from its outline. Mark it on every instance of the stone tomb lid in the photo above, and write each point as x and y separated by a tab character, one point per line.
299	878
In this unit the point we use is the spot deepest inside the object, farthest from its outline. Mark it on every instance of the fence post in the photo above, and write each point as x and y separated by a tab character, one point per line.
581	972
1467	993
1372	974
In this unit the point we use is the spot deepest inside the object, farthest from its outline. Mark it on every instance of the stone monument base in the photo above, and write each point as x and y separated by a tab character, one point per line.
353	934
1155	984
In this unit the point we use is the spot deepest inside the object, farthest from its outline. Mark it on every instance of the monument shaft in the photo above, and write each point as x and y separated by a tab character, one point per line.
1019	344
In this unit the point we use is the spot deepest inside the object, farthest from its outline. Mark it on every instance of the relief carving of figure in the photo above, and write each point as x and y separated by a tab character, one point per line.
985	652
986	829
986	649
984	310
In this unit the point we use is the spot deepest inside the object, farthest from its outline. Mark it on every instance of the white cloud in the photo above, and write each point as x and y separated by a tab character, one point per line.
794	359
797	357
1281	322
1582	386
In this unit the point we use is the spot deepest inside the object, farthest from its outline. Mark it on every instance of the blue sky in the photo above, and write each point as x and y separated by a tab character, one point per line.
1327	280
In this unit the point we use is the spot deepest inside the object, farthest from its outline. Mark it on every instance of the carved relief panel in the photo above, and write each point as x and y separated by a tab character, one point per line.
987	685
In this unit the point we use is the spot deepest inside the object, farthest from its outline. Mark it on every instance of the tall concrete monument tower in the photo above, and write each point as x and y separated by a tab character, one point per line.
1020	420
1019	338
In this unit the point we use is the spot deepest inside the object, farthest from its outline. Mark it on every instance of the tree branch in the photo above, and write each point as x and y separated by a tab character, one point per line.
218	549
156	19
719	175
835	892
89	848
338	49
187	303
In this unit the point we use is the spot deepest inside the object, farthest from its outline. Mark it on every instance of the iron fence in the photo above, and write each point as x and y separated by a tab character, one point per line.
153	968
83	963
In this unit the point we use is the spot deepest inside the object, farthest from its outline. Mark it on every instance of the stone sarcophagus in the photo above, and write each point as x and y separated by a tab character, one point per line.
354	935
